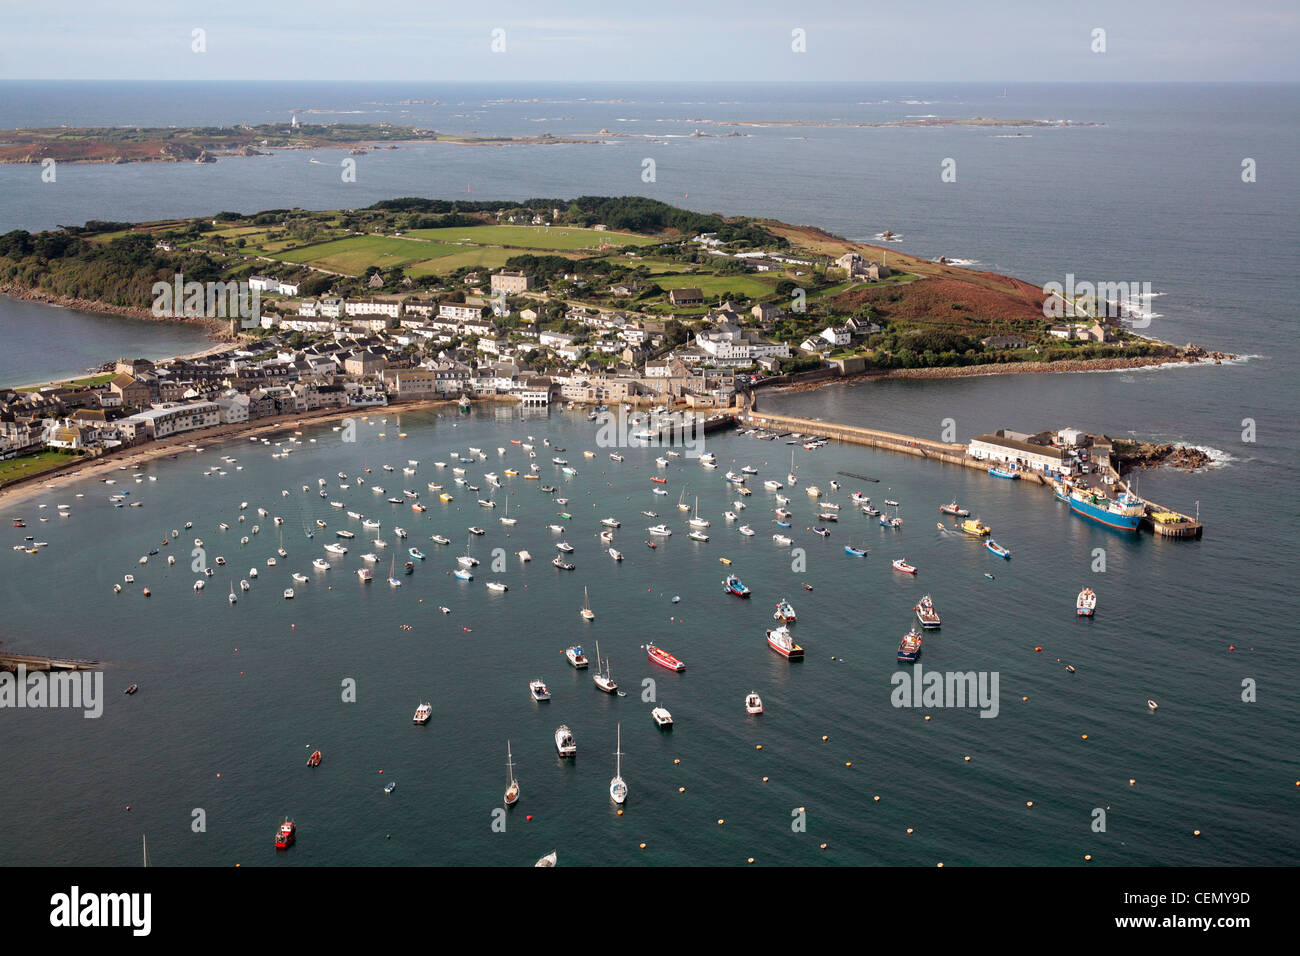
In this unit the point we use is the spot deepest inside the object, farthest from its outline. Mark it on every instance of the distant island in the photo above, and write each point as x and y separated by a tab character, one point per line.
204	144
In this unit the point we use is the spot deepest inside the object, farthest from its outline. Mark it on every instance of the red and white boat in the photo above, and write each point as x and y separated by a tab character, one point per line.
314	759
284	837
900	564
954	509
779	640
661	657
784	612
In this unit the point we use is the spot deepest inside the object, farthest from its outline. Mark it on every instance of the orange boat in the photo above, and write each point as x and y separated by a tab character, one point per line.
314	759
659	481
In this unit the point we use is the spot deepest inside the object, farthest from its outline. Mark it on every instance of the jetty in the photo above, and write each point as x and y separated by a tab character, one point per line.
38	662
1159	520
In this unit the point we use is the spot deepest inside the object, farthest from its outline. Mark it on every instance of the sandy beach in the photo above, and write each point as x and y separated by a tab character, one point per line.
191	443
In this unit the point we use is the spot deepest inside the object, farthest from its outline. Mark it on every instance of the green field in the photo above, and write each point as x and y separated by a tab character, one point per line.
42	461
714	285
355	254
554	238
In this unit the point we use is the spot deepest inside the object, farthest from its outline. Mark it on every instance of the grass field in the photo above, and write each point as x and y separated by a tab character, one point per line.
36	464
356	253
554	238
714	285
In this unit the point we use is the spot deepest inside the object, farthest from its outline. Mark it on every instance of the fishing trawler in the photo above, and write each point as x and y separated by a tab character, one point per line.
779	640
926	614
784	612
909	648
1124	513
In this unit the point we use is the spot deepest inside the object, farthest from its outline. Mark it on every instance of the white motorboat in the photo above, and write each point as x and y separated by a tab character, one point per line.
746	530
662	717
422	713
288	594
753	703
320	564
564	742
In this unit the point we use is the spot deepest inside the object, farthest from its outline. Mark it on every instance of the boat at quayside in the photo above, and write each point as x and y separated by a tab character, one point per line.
1086	603
733	585
926	614
661	657
780	640
1124	513
998	472
909	648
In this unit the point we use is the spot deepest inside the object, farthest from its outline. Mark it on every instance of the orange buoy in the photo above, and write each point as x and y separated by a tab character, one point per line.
1084	737
620	813
681	789
967	758
1038	650
825	738
643	846
765	779
909	830
750	860
1029	803
675	761
758	746
720	822
1087	858
876	799
823	846
848	763
927	716
1196	833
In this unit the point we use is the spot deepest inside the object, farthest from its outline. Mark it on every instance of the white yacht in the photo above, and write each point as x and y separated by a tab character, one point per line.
564	742
617	786
423	713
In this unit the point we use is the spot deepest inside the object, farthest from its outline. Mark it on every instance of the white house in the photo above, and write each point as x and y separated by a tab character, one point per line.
287	288
840	336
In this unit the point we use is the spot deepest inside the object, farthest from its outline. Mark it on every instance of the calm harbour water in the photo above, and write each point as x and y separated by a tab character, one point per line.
1155	195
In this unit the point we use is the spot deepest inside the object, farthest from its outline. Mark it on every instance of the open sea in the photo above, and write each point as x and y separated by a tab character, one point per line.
233	698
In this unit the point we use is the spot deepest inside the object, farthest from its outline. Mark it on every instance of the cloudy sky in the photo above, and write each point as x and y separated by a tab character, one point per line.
601	40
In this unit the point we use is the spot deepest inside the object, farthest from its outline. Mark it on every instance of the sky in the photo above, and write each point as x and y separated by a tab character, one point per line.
639	40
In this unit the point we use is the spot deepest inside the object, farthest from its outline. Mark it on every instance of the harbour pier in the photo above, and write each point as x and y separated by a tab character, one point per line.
1159	520
37	662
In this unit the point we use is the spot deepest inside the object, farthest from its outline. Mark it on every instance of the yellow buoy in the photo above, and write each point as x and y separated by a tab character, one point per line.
676	761
1087	858
877	799
1024	698
1132	782
848	763
909	830
927	716
1085	737
750	860
825	738
620	813
1029	803
939	864
1196	833
758	746
681	789
720	821
967	759
643	846
765	779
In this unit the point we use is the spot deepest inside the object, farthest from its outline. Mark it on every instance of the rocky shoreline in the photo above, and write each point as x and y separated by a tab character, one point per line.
219	329
1128	455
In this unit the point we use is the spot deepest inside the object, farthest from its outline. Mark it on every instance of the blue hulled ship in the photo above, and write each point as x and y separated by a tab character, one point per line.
1123	513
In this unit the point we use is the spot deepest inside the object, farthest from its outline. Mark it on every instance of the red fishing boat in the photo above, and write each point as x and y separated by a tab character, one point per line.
661	657
314	759
285	835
